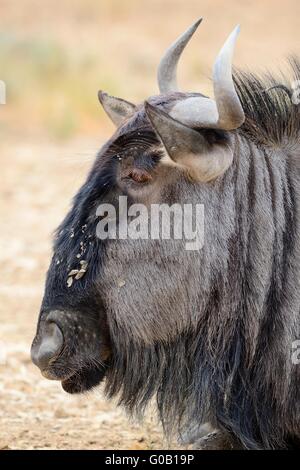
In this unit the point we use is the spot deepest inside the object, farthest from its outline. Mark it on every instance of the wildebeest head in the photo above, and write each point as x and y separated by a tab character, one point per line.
104	297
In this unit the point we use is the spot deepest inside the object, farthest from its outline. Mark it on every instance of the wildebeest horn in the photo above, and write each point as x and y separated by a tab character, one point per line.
116	108
167	68
231	114
225	112
187	148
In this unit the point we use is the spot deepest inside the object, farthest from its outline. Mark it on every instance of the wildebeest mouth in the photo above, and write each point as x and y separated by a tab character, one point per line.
84	379
78	381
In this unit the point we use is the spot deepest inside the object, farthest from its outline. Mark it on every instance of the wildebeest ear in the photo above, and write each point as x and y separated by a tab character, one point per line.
188	148
117	109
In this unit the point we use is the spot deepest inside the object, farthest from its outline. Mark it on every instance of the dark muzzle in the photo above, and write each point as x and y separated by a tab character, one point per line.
47	345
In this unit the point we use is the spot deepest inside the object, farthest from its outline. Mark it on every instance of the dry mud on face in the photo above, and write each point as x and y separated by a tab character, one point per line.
36	186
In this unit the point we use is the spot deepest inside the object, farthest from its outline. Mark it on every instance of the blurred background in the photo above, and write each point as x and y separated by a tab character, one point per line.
54	57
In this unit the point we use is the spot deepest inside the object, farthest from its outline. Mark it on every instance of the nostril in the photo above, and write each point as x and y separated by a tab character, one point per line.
48	347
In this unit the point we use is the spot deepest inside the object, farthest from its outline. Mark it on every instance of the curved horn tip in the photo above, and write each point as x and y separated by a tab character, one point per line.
231	114
237	29
196	24
166	75
222	63
234	34
230	41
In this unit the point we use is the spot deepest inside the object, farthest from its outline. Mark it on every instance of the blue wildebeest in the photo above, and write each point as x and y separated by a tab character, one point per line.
209	333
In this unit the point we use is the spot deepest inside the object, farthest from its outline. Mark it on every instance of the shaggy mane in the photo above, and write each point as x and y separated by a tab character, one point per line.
271	116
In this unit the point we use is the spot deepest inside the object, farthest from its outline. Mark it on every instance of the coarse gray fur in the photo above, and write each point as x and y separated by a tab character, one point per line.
209	333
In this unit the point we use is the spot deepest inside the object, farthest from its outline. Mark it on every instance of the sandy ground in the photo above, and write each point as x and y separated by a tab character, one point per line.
38	178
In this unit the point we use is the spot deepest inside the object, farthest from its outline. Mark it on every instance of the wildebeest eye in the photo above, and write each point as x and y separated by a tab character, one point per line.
138	175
